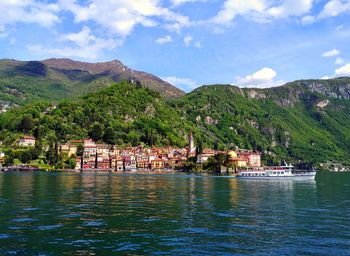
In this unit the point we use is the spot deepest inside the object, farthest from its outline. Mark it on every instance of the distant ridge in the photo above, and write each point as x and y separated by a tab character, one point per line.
119	72
23	82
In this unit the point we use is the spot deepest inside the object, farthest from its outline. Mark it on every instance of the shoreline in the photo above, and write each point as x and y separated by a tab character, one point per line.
95	171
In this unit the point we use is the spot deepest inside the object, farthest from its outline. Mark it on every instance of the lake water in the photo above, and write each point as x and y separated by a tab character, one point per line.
73	214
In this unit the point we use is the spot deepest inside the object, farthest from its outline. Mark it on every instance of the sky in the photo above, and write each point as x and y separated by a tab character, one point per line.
248	43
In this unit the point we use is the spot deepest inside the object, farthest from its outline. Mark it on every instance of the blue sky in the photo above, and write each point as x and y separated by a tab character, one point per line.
250	43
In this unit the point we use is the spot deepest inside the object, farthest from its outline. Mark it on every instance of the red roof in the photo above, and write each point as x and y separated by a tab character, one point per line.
28	138
76	141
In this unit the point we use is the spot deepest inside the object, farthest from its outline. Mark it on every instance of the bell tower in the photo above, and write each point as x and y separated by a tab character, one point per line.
191	146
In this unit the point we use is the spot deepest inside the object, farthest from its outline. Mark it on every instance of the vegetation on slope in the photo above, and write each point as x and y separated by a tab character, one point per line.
297	122
122	114
301	131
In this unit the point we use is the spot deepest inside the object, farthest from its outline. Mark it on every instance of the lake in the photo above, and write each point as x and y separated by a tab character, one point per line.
181	214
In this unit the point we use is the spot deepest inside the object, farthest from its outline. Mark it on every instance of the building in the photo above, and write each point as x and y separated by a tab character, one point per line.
26	141
78	163
129	163
191	152
236	161
68	149
103	163
204	156
89	154
157	164
253	159
117	163
142	165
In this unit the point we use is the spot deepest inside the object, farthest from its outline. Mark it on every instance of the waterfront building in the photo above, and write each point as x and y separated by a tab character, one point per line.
253	159
157	164
236	161
89	154
204	156
68	149
129	163
78	163
142	165
103	163
117	163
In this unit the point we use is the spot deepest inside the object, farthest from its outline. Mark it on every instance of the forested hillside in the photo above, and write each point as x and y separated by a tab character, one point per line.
305	121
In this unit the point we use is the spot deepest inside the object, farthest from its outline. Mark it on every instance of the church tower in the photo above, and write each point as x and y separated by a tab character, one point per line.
191	146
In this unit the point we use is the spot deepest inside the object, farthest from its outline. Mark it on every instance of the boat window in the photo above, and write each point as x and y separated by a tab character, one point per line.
274	172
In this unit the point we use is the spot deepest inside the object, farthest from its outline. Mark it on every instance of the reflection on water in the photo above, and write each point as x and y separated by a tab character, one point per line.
55	214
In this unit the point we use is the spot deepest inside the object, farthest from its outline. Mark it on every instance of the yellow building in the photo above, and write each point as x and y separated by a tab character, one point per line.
236	161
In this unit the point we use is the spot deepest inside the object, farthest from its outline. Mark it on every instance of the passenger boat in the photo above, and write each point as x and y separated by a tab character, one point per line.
277	172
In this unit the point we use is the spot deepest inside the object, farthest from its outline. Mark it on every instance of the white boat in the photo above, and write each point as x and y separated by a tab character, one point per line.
277	172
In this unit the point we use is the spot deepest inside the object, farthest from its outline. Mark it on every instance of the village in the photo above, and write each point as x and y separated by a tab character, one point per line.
104	157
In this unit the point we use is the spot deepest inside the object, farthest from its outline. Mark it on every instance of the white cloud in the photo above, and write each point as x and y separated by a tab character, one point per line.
325	78
331	53
334	8
120	17
263	10
261	79
339	61
84	45
291	8
185	84
180	2
164	40
343	71
187	40
232	8
3	33
198	44
308	19
28	11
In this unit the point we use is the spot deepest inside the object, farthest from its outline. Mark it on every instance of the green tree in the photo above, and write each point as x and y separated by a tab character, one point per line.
9	160
37	150
26	124
199	148
96	132
71	163
110	136
221	158
25	156
51	155
80	150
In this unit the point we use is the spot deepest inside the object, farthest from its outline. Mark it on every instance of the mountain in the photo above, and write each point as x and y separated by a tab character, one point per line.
57	79
118	72
304	120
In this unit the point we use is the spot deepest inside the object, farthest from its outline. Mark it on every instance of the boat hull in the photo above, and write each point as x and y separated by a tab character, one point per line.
294	177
